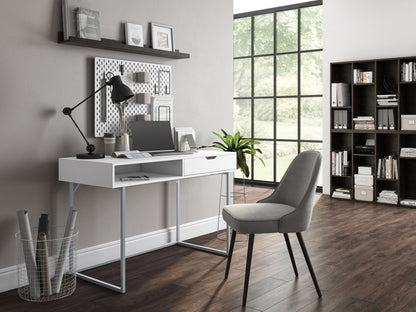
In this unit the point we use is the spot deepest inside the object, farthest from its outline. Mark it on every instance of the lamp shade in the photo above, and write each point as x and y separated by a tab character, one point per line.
120	92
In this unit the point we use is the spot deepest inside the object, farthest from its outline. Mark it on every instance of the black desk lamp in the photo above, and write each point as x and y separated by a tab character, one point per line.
119	93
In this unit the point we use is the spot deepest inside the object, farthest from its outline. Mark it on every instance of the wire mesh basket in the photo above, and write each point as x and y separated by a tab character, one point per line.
46	268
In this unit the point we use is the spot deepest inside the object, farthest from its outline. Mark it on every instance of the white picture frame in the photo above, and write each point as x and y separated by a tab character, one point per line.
134	34
162	37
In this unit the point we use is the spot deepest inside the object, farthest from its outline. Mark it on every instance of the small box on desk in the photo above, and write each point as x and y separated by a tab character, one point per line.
363	192
408	122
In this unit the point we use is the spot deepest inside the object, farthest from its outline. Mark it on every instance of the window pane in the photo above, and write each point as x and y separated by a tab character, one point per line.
311	73
263	76
311	118
285	152
263	34
242	36
287	74
264	173
287	31
311	28
305	146
242	117
263	118
287	118
242	77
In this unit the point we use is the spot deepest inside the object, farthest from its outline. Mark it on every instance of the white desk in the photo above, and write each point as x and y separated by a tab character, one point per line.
106	172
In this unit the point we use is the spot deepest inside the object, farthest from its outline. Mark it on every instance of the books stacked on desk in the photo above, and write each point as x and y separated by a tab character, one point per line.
387	99
387	197
342	193
408	152
340	164
387	168
364	123
408	202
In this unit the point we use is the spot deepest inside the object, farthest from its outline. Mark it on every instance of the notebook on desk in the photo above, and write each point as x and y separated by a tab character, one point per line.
154	137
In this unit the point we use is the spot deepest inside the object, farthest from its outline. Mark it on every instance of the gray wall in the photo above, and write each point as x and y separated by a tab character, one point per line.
39	77
355	30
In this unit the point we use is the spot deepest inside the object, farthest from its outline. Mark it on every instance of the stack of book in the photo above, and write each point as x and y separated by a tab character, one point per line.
387	197
361	76
408	152
387	99
408	71
364	123
408	202
340	164
343	193
387	168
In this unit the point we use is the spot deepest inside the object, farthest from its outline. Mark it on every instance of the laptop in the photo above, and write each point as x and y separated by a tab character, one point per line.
154	137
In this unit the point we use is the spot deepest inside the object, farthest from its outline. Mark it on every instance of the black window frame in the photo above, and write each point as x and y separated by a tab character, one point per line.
299	97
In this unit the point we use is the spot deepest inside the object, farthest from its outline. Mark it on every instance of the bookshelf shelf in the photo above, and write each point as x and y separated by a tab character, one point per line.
115	45
362	100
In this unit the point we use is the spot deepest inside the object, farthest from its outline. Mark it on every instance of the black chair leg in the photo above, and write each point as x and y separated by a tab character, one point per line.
248	266
230	253
289	248
308	262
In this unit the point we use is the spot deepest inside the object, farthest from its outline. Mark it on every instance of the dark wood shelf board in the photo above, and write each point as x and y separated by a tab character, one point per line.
341	176
115	45
363	155
364	84
407	157
390	180
387	106
341	107
407	82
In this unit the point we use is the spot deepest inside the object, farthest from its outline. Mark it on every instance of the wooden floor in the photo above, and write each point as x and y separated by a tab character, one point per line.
364	257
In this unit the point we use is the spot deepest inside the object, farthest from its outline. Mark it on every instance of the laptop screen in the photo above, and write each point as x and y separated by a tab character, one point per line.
152	136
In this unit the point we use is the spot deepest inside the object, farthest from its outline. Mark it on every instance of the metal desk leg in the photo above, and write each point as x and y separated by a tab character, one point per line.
122	287
195	246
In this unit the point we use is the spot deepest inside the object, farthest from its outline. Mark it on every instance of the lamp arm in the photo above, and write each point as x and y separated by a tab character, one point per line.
88	97
88	143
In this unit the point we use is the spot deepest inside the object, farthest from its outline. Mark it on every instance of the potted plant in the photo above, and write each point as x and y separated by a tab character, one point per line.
241	146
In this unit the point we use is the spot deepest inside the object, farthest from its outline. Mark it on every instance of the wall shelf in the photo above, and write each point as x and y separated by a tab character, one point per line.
116	45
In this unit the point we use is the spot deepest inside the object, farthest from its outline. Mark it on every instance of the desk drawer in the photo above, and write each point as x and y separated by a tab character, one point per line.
209	164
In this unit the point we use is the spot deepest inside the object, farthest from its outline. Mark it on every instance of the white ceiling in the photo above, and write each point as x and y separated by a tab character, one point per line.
241	6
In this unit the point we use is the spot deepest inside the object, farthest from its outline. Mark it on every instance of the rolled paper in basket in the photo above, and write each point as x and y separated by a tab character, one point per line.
44	265
63	253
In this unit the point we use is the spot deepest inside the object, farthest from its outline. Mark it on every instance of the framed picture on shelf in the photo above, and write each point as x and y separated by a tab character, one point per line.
134	34
162	37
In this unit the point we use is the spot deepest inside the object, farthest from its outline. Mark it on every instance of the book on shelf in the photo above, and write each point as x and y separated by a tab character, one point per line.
387	99
408	152
340	163
340	94
408	202
341	119
386	119
408	71
388	197
69	16
364	123
361	76
343	193
387	168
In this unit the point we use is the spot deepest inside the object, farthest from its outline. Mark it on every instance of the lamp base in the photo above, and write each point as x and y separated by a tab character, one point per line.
90	156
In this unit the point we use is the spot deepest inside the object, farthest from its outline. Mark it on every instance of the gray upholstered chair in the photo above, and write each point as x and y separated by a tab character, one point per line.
287	210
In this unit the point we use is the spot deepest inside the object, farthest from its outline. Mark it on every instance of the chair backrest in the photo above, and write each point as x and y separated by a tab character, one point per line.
297	189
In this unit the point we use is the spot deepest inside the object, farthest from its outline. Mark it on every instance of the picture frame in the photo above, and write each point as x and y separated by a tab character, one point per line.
162	37
134	34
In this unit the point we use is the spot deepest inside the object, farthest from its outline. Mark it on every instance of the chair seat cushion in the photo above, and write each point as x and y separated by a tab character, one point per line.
255	218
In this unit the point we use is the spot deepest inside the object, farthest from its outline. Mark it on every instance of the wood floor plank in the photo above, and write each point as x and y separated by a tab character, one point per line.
363	256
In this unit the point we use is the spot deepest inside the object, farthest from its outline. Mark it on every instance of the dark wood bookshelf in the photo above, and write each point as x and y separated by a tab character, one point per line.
120	46
363	97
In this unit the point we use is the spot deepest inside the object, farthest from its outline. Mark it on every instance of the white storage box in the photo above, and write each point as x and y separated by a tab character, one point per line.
408	122
363	179
365	170
363	192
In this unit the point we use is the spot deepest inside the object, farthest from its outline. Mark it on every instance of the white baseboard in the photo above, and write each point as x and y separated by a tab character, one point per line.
108	252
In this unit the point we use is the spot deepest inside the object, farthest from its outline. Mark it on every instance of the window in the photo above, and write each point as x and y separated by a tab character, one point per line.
278	84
